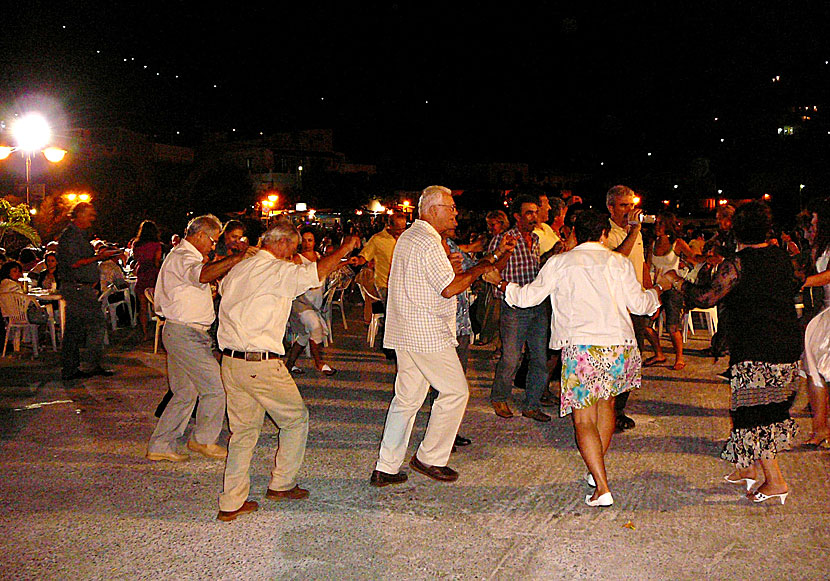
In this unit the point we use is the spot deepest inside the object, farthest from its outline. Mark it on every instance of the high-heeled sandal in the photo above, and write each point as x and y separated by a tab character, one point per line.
761	497
748	481
823	443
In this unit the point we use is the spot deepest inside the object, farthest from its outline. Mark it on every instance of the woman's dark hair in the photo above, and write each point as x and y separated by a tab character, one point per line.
589	226
232	225
27	255
147	232
6	269
752	223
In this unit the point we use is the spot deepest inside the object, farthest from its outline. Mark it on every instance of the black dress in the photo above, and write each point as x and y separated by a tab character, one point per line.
757	286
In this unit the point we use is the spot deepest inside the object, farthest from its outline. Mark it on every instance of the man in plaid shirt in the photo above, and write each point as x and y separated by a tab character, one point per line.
520	327
421	328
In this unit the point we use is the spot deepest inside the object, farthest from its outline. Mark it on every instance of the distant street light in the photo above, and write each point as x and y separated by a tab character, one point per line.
32	135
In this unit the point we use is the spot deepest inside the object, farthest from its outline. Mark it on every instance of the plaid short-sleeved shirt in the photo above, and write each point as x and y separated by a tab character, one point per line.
523	265
418	318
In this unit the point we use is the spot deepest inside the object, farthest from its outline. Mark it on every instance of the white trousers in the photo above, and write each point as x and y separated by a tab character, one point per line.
416	372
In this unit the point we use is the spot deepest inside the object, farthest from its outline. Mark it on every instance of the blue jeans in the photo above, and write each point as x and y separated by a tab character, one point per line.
519	327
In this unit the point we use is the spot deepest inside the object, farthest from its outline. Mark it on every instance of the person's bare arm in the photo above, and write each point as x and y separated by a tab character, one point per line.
331	262
462	281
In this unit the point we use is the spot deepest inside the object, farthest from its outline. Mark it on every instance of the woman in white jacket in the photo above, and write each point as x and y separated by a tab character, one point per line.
592	291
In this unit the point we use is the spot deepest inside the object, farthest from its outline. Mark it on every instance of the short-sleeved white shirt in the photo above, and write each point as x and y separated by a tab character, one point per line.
256	301
637	254
418	318
179	296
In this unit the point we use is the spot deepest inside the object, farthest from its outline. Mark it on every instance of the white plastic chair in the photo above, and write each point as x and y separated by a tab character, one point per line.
341	285
375	322
14	307
152	316
110	308
710	316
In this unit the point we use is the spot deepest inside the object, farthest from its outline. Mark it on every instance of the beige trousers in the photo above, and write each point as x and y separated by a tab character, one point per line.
416	372
254	388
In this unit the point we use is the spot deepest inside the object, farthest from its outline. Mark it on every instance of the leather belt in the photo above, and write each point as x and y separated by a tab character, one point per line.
250	355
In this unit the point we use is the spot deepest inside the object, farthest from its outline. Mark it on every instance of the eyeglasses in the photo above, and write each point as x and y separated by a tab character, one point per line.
212	239
447	206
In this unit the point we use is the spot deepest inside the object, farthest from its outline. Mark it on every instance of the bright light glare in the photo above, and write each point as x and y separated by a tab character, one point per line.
83	197
54	154
7	151
273	197
31	132
71	197
636	200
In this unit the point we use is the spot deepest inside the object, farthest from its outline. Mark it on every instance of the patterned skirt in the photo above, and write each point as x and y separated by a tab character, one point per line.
591	373
762	394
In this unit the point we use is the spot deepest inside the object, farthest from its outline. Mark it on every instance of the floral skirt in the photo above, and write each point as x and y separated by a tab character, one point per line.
591	373
762	394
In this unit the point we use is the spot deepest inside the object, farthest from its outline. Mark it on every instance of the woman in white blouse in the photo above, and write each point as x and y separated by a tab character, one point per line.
592	291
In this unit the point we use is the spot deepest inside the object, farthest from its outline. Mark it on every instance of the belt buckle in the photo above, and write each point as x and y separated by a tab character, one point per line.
253	356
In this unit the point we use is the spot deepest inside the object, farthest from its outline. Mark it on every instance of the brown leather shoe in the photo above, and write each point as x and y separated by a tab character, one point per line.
380	479
295	493
537	415
442	473
229	515
213	451
502	409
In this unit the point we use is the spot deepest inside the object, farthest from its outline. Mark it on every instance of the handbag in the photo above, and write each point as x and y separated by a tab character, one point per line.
36	314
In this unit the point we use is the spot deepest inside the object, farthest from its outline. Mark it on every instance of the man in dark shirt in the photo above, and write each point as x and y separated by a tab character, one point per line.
78	273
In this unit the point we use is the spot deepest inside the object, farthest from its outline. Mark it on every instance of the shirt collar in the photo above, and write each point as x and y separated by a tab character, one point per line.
189	248
428	228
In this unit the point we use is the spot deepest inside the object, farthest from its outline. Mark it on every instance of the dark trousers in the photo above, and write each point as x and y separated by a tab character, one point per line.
85	324
640	323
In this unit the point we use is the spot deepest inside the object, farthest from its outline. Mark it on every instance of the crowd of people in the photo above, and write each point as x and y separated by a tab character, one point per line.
556	288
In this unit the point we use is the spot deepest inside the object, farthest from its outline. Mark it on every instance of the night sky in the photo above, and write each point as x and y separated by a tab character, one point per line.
567	84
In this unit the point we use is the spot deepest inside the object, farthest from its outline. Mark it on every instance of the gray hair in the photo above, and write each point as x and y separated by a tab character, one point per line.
282	229
430	197
206	223
617	192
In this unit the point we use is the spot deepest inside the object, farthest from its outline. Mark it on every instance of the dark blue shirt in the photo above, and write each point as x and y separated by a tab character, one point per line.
73	245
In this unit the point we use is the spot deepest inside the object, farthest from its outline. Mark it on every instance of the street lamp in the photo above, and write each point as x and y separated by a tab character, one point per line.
32	135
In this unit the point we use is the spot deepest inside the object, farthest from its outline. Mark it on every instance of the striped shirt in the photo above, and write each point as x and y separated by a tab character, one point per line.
523	265
418	318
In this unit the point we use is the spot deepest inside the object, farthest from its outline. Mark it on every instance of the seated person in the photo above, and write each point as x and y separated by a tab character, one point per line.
111	273
48	277
10	274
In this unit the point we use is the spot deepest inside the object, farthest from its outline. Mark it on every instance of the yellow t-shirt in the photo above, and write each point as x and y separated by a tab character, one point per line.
637	255
379	248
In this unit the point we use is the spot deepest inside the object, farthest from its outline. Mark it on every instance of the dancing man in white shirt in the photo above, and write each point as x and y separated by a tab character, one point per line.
183	298
420	327
256	303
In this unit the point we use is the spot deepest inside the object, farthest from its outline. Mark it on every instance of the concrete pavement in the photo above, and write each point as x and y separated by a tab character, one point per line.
79	501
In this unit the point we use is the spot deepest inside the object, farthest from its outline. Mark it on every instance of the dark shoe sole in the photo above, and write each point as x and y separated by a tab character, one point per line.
382	481
418	467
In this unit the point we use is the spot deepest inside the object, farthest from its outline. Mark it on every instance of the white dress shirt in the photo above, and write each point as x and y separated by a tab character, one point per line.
179	296
418	318
256	300
592	290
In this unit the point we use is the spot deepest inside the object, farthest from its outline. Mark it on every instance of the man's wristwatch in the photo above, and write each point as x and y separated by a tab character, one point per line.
659	287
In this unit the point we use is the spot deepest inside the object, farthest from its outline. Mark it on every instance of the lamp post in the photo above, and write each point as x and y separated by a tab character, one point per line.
32	135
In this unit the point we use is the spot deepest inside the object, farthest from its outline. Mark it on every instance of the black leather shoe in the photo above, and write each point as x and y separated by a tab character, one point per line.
624	422
442	473
380	479
537	415
102	371
75	374
462	441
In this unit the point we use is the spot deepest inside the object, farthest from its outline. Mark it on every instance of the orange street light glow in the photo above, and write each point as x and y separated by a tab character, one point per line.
54	154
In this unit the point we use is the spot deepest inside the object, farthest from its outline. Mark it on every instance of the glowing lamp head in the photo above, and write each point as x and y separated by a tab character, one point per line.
273	198
5	151
83	197
636	200
54	154
31	132
71	197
